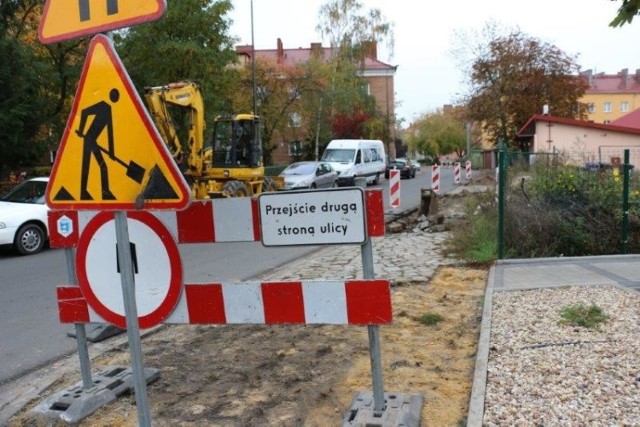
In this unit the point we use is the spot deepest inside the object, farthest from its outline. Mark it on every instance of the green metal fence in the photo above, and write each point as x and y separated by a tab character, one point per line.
549	204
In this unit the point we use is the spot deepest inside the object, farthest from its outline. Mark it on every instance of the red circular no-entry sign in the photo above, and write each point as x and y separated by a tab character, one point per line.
156	263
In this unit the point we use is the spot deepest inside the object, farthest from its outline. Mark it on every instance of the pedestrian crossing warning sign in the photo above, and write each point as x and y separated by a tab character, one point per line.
111	156
68	19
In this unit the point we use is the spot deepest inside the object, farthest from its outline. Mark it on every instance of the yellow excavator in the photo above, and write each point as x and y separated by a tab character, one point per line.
232	165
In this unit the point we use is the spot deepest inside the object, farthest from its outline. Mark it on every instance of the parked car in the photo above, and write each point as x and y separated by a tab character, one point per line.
415	165
23	217
406	171
309	174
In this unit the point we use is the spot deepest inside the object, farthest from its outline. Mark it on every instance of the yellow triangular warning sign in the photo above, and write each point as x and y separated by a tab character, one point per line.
111	155
67	19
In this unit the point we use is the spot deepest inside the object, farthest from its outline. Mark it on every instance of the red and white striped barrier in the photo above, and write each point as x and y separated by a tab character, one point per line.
467	168
457	176
394	188
352	302
210	221
435	178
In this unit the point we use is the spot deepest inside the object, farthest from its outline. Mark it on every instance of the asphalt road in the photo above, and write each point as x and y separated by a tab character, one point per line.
30	333
32	336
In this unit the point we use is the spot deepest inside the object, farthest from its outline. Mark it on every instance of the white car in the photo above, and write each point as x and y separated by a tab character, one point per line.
23	217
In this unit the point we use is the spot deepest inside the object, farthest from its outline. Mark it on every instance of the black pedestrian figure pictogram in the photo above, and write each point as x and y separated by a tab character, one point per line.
102	119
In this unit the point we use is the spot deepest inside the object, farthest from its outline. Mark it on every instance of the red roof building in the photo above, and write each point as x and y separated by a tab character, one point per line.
378	75
611	96
580	141
630	120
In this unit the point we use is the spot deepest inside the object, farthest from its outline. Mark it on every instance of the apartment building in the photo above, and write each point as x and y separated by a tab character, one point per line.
378	75
611	96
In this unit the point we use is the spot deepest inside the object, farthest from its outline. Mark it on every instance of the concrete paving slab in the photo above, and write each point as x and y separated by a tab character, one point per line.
552	272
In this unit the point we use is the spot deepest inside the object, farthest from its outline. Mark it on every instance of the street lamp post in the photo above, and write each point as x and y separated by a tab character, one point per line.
253	65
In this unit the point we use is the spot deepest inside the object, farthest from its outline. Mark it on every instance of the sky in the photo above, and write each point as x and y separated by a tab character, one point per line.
428	76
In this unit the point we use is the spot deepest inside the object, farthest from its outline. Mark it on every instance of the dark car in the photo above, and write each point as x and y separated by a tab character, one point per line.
413	163
406	170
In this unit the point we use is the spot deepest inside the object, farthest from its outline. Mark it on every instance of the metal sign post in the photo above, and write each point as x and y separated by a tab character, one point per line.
374	335
81	336
131	313
373	330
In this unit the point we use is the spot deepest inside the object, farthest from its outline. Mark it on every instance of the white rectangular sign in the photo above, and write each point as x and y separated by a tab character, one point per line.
313	217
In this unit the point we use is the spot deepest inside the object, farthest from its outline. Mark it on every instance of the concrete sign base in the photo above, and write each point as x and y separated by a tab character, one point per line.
98	332
75	403
401	409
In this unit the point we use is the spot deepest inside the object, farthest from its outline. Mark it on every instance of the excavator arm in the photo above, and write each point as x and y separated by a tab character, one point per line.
186	95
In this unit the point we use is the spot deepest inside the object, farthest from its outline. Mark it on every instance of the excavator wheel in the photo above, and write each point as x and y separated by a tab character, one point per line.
269	185
236	189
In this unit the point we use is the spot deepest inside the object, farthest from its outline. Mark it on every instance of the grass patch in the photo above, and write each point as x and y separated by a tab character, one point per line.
581	315
430	319
474	240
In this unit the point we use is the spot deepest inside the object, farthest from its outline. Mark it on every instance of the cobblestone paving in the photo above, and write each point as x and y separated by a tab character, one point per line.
410	256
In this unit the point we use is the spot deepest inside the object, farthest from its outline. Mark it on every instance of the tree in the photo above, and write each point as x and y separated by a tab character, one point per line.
350	126
438	133
37	84
513	76
626	12
190	42
315	107
281	87
352	31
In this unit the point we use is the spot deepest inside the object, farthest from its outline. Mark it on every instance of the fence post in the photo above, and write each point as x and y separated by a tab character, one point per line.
502	151
626	167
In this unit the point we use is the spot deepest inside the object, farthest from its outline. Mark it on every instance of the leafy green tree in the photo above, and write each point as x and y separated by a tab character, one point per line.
38	82
626	12
315	107
302	101
512	76
282	91
190	42
438	133
352	31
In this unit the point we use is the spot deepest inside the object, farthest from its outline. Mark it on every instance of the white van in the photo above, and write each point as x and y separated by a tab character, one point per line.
355	158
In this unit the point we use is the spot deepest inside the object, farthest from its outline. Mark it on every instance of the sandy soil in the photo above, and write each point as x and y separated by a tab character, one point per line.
289	376
308	375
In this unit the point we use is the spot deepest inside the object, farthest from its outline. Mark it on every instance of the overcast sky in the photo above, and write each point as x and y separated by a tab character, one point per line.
427	75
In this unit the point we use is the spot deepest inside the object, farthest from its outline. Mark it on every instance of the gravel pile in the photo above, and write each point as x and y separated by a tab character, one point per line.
543	372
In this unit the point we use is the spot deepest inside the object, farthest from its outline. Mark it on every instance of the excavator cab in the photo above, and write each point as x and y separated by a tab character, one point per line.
232	166
237	142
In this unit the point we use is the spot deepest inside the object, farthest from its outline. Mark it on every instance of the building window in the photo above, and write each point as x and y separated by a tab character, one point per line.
295	148
606	122
607	107
295	120
592	108
624	107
